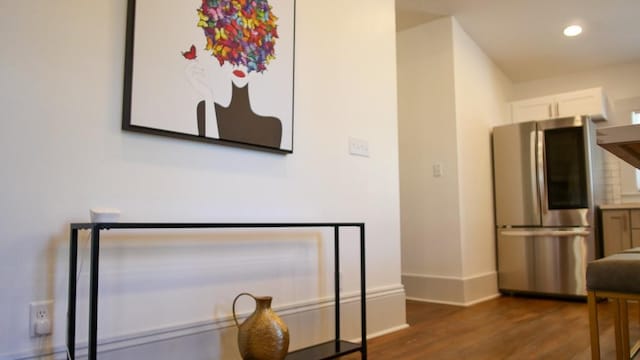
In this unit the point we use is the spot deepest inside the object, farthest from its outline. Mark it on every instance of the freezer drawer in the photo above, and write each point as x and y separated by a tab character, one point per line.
546	261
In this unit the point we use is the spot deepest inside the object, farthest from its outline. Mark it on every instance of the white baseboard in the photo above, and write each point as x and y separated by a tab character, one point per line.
457	291
382	333
385	313
465	304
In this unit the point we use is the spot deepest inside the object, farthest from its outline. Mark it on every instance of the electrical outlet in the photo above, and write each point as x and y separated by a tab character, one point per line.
40	318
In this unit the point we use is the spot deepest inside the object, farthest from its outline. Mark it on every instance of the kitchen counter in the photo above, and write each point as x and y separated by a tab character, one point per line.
621	206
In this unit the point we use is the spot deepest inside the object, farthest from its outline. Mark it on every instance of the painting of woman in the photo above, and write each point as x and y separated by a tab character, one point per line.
242	34
227	71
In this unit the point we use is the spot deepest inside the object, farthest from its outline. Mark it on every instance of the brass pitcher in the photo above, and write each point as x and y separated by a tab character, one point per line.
263	335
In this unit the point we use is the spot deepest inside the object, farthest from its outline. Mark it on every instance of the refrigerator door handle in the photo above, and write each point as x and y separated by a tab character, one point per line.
533	161
556	233
540	172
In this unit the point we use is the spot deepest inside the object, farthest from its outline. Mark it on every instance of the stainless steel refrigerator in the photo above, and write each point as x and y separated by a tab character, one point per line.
547	182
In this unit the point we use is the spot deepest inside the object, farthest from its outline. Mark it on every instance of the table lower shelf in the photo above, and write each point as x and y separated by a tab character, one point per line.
327	350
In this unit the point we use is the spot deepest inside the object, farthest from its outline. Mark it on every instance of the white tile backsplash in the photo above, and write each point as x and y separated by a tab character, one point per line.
612	188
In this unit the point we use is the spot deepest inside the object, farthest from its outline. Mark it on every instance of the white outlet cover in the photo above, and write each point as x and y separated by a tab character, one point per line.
40	310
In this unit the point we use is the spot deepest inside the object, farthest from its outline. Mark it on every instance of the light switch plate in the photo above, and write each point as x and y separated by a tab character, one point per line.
437	170
358	147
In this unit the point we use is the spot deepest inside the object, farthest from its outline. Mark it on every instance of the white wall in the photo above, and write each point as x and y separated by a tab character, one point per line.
450	95
481	93
427	127
63	152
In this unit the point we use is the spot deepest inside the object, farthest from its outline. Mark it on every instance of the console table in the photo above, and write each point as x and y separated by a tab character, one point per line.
328	350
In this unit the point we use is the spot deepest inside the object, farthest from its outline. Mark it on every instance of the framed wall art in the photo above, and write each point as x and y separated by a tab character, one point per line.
218	71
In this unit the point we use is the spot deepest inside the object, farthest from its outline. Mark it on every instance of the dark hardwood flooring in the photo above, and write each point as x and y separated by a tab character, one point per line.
504	328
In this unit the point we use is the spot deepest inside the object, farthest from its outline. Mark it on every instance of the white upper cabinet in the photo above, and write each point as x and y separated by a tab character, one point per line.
590	102
532	109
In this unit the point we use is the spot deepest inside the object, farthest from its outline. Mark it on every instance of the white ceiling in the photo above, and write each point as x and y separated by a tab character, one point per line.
524	37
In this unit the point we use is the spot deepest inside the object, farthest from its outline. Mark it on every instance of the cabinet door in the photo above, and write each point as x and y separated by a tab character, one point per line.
635	219
635	228
616	232
584	102
635	238
532	109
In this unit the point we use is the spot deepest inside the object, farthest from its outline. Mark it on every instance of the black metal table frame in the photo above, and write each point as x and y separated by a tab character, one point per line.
339	345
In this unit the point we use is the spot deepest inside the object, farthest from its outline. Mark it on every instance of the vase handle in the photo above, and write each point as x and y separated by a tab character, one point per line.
234	306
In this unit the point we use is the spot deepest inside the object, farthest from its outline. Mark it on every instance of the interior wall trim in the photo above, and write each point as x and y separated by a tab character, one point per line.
451	290
134	339
462	278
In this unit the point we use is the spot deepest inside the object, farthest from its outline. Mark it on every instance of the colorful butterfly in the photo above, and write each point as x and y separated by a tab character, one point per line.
209	44
220	34
229	28
221	50
215	13
203	19
191	54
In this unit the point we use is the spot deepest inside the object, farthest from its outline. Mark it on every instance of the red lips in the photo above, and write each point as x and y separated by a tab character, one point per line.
239	73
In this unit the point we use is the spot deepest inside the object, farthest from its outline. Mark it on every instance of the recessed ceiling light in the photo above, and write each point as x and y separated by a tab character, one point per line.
572	30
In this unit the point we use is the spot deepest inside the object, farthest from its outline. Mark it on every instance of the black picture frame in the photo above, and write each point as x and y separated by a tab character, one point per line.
152	105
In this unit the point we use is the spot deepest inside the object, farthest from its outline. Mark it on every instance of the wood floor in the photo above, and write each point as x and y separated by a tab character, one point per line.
504	328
